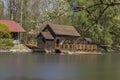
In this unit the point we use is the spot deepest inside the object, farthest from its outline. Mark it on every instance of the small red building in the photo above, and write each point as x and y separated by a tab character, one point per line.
14	28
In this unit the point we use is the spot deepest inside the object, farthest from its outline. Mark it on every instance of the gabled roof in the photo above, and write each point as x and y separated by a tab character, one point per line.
47	35
13	26
88	39
64	30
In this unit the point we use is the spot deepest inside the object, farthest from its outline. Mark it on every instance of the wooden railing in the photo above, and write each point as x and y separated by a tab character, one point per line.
31	43
90	47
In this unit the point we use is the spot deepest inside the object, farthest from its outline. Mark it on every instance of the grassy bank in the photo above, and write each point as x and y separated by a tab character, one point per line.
6	43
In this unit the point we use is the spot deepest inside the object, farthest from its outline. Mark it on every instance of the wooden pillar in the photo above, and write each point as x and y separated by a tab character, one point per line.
83	47
87	47
55	46
68	46
80	46
96	47
90	47
60	46
72	46
76	46
63	46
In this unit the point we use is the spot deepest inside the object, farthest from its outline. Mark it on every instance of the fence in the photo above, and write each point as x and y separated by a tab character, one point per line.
90	47
31	43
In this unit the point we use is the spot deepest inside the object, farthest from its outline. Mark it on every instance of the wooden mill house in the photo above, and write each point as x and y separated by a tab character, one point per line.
64	38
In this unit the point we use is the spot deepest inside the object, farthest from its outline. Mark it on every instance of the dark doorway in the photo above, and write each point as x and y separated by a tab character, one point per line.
58	41
15	35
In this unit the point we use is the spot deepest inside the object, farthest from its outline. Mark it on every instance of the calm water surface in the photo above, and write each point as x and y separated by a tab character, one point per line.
59	67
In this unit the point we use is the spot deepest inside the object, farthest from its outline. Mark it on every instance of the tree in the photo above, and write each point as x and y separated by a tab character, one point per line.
1	9
96	19
4	31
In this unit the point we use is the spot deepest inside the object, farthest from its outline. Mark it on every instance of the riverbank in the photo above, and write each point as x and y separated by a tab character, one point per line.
109	49
59	51
80	52
21	48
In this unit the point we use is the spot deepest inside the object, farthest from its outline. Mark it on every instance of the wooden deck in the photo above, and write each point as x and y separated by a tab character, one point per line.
31	43
81	47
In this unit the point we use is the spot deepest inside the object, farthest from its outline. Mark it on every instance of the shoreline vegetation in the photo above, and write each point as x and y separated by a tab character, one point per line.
108	48
21	48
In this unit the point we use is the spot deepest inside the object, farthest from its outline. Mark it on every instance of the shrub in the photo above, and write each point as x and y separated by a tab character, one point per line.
6	43
5	37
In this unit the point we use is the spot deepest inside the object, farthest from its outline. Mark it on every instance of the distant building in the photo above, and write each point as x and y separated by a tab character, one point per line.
14	28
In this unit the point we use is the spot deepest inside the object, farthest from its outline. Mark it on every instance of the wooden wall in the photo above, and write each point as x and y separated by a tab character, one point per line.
40	43
49	44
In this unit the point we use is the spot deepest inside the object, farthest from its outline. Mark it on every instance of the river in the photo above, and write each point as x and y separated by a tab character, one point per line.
59	67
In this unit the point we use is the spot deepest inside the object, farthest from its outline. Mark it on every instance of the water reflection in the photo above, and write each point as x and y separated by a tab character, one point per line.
56	67
23	78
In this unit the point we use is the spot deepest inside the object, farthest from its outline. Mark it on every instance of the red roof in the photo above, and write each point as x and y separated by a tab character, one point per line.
13	26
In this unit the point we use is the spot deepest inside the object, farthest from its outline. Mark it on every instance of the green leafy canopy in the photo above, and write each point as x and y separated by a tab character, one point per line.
4	31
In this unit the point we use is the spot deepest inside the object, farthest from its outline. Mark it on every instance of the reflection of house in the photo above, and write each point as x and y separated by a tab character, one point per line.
14	28
64	38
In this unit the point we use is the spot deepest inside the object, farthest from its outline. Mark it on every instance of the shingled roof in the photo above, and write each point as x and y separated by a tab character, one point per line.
13	26
47	35
64	30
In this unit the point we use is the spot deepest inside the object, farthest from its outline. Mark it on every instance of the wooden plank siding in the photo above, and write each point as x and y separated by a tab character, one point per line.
82	47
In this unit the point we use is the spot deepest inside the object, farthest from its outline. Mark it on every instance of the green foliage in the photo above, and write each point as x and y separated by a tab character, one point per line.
5	37
97	19
4	31
6	43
